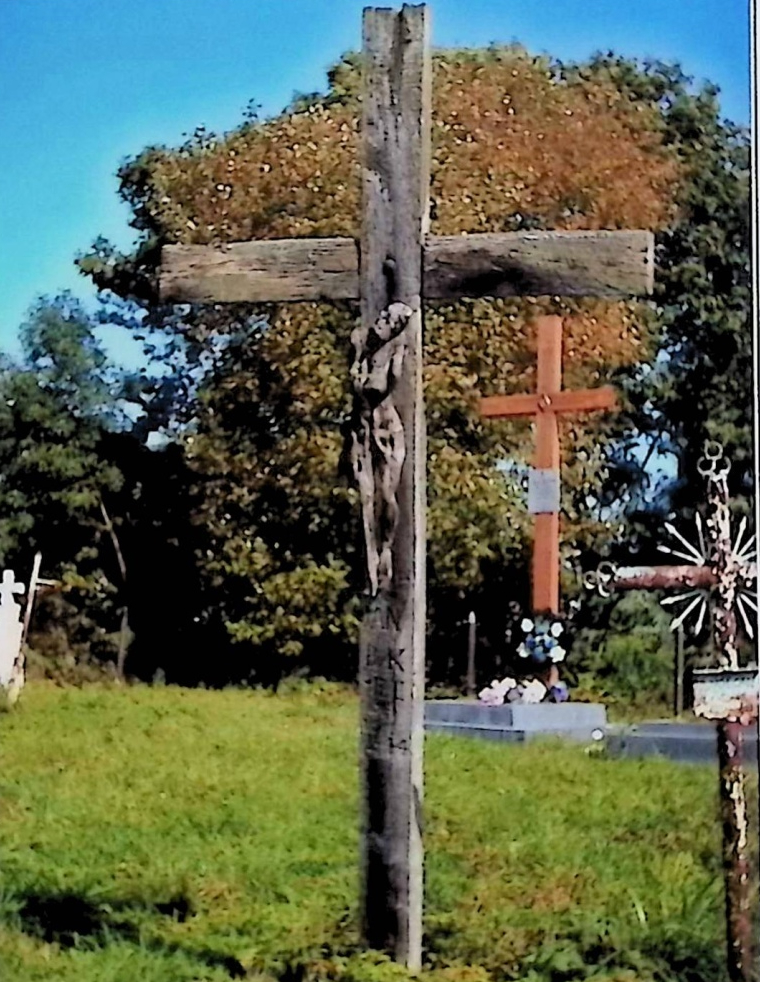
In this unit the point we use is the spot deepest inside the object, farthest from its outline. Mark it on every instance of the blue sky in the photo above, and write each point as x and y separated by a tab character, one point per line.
86	83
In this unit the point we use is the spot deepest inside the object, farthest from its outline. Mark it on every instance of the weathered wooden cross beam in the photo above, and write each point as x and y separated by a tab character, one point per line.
486	264
390	270
549	401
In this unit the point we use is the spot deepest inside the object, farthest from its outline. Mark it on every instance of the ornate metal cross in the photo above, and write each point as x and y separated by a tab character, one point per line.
720	569
718	580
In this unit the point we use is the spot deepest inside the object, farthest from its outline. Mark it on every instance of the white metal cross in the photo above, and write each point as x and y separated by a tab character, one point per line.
9	586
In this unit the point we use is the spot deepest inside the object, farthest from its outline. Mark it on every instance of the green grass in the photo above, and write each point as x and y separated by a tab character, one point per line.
165	834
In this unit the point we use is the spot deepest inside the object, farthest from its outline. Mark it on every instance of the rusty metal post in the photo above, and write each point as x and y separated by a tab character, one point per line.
733	810
723	568
733	797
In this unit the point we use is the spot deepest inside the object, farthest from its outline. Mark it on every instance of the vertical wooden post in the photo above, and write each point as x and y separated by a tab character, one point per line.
396	188
472	625
545	577
679	680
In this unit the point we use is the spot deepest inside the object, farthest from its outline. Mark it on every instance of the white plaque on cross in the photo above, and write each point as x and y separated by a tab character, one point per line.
543	490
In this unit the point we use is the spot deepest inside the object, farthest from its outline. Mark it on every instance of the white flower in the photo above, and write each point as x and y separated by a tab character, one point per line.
522	651
533	691
490	697
556	629
526	624
558	654
495	693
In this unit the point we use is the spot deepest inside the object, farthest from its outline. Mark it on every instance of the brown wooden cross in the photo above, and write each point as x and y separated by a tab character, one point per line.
390	270
548	402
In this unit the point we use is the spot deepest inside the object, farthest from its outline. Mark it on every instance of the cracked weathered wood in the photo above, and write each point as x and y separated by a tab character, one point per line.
267	271
536	264
390	438
508	264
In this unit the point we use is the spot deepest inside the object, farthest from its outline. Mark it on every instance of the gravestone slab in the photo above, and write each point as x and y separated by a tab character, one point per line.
687	743
518	721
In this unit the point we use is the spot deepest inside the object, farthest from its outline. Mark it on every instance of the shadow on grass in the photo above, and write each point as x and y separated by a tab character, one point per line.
70	920
73	921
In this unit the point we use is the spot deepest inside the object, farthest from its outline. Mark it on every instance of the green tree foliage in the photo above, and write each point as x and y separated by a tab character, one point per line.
629	659
701	385
262	395
56	481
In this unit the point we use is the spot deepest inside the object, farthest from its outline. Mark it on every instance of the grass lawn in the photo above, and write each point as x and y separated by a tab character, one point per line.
161	834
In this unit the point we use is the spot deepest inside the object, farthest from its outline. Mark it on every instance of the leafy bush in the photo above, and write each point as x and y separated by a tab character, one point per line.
630	660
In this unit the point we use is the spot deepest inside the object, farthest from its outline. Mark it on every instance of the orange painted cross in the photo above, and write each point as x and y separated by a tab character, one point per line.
547	403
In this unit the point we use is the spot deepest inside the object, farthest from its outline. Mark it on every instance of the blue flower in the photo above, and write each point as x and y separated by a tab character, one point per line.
559	692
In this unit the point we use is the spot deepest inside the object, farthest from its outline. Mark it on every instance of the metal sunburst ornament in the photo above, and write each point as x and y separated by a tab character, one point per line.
717	573
727	561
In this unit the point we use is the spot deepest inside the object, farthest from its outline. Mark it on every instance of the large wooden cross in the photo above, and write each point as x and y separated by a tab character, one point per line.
391	270
549	401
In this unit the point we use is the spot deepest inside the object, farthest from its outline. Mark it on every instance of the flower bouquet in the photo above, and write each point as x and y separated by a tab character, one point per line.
541	641
541	646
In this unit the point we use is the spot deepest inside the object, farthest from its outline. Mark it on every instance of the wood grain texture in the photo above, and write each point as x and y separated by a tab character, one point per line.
395	188
545	573
545	564
594	264
548	381
568	264
270	271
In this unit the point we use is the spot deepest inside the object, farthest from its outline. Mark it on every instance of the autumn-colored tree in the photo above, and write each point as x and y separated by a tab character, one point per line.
515	146
701	386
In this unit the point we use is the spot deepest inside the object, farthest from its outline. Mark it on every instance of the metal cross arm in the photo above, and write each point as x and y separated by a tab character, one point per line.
671	577
722	570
